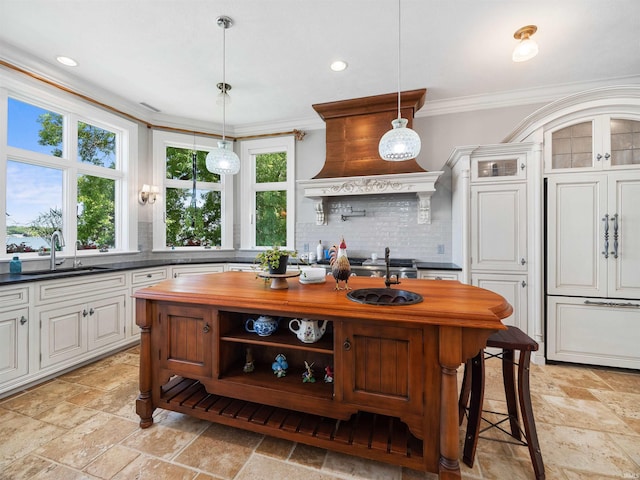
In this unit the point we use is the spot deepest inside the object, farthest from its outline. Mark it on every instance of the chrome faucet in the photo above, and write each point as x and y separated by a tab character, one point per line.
387	279
55	235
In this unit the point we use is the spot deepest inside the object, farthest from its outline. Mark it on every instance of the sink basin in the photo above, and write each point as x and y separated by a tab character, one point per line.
67	271
384	296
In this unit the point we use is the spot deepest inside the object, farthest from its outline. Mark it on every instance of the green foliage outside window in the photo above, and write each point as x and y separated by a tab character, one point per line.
271	206
189	221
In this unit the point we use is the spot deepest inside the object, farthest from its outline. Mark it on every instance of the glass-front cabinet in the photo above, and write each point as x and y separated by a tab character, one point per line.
602	142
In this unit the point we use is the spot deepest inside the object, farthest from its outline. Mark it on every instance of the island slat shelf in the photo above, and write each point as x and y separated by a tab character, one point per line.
378	437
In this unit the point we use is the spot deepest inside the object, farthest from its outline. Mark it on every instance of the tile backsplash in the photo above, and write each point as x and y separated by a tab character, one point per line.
390	220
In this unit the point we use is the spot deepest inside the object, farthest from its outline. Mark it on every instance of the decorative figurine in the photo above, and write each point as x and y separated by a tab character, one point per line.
328	374
340	267
307	376
248	363
280	366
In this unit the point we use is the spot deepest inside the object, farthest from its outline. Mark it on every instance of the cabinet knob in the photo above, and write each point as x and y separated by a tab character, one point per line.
91	311
522	166
149	275
23	320
522	261
346	345
206	328
607	156
85	313
524	284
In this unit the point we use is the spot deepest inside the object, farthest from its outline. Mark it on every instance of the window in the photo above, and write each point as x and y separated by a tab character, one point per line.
195	207
268	195
65	167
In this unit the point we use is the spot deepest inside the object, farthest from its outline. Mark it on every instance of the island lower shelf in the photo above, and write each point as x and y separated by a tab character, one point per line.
373	436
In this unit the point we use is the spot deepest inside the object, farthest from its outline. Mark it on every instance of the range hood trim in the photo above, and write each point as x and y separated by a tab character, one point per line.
420	183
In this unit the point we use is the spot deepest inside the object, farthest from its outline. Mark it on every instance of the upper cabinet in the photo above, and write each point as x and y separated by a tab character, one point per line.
600	142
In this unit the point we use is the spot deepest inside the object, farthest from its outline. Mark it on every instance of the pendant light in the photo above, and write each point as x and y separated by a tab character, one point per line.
400	143
223	160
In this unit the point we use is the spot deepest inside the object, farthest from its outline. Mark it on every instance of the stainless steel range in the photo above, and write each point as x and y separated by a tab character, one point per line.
365	267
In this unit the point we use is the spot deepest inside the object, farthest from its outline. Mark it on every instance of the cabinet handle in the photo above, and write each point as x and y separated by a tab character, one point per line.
85	313
607	156
91	311
346	345
23	320
612	304
605	219
614	219
524	284
522	261
598	157
149	275
206	328
522	166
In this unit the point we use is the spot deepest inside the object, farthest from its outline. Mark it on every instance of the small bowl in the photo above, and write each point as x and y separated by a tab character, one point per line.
313	275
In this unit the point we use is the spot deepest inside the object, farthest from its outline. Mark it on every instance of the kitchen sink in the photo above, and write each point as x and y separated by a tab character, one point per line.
67	271
384	296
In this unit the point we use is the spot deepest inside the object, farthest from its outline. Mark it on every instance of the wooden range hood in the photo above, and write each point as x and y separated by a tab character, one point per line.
353	165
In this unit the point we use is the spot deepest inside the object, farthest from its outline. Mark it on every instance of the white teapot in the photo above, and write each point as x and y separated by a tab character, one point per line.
308	331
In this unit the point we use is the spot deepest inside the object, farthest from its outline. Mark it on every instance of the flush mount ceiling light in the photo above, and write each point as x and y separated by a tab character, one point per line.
339	65
400	143
69	62
527	48
223	160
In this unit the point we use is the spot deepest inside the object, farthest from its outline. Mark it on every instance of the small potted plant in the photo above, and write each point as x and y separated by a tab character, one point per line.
275	259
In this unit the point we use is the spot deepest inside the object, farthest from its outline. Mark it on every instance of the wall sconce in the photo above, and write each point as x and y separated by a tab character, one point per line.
148	194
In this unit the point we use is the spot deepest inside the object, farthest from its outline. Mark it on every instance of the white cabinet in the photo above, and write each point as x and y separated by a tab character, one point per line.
70	330
499	227
14	332
438	274
599	142
593	240
596	331
513	288
140	279
80	318
179	271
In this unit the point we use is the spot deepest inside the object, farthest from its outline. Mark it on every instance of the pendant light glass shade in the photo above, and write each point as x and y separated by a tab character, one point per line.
400	143
223	160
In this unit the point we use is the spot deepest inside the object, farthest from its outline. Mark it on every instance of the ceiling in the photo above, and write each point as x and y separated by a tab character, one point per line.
168	53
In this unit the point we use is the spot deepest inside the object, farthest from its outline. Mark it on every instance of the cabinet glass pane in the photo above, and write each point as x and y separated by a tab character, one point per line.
572	146
498	168
625	142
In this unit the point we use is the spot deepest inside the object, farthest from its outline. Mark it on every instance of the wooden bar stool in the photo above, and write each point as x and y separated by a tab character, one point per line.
511	340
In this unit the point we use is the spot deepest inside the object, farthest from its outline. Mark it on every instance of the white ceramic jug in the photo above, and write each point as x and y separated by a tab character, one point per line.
308	331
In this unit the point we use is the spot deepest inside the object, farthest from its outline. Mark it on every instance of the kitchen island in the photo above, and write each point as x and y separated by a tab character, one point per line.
393	390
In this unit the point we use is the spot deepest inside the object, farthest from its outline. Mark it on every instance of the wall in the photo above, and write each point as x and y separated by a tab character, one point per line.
391	220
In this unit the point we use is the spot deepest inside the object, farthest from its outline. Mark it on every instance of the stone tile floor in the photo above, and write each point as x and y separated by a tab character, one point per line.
82	425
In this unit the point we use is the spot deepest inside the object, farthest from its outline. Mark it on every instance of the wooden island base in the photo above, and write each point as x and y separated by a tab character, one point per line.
394	394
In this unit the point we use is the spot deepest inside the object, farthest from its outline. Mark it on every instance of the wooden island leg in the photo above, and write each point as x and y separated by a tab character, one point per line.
450	353
144	402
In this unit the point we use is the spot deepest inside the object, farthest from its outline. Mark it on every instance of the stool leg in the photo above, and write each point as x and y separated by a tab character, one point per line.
510	391
465	390
475	409
524	395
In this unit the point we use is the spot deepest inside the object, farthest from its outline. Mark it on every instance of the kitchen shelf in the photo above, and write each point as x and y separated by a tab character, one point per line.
281	338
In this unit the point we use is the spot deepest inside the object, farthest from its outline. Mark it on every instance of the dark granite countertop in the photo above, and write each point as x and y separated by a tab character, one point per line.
26	276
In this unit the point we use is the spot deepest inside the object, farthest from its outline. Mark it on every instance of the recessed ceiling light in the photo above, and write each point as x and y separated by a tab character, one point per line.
338	65
69	62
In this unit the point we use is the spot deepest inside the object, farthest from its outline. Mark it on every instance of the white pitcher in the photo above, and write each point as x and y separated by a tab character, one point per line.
308	331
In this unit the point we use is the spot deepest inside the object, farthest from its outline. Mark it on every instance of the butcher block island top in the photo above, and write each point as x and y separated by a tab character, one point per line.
384	381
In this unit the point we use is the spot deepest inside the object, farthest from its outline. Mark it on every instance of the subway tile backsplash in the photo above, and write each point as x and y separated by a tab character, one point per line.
390	220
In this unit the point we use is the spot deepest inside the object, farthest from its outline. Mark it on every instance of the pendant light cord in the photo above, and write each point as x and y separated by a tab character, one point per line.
224	80
399	50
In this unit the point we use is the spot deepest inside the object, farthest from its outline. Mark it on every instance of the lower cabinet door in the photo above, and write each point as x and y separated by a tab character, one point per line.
105	323
186	338
382	367
594	331
62	333
14	347
513	288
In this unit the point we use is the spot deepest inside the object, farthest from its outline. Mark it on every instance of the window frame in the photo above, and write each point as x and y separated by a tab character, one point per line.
249	187
162	140
124	175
